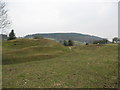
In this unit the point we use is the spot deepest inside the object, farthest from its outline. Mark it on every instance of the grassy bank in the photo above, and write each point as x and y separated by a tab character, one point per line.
32	64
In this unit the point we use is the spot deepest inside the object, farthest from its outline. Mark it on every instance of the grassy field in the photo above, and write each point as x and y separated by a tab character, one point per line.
32	63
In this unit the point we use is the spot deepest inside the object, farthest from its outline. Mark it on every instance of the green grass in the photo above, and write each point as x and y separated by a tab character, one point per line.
25	50
34	64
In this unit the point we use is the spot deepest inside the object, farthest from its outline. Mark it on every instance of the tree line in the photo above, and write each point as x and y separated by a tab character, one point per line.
104	41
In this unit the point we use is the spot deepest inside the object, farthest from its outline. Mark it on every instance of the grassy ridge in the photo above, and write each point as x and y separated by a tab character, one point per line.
92	66
24	50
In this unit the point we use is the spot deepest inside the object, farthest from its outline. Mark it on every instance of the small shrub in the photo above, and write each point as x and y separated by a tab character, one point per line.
87	44
65	43
70	43
38	37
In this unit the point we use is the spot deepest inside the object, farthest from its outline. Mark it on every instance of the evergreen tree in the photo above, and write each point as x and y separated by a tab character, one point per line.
12	35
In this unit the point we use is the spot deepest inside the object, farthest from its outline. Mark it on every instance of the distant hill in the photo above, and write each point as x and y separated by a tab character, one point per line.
66	36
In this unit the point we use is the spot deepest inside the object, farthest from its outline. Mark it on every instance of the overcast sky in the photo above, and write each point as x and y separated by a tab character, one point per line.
94	17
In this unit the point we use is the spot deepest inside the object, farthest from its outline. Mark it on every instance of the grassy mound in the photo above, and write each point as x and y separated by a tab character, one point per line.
24	50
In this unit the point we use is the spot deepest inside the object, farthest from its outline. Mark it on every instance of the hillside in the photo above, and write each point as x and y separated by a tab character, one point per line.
24	50
30	65
66	36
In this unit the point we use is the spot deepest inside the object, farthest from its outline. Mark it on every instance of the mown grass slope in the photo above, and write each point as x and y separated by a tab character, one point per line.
92	66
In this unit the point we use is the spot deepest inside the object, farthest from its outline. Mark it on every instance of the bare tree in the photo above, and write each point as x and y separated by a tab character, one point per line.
4	22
